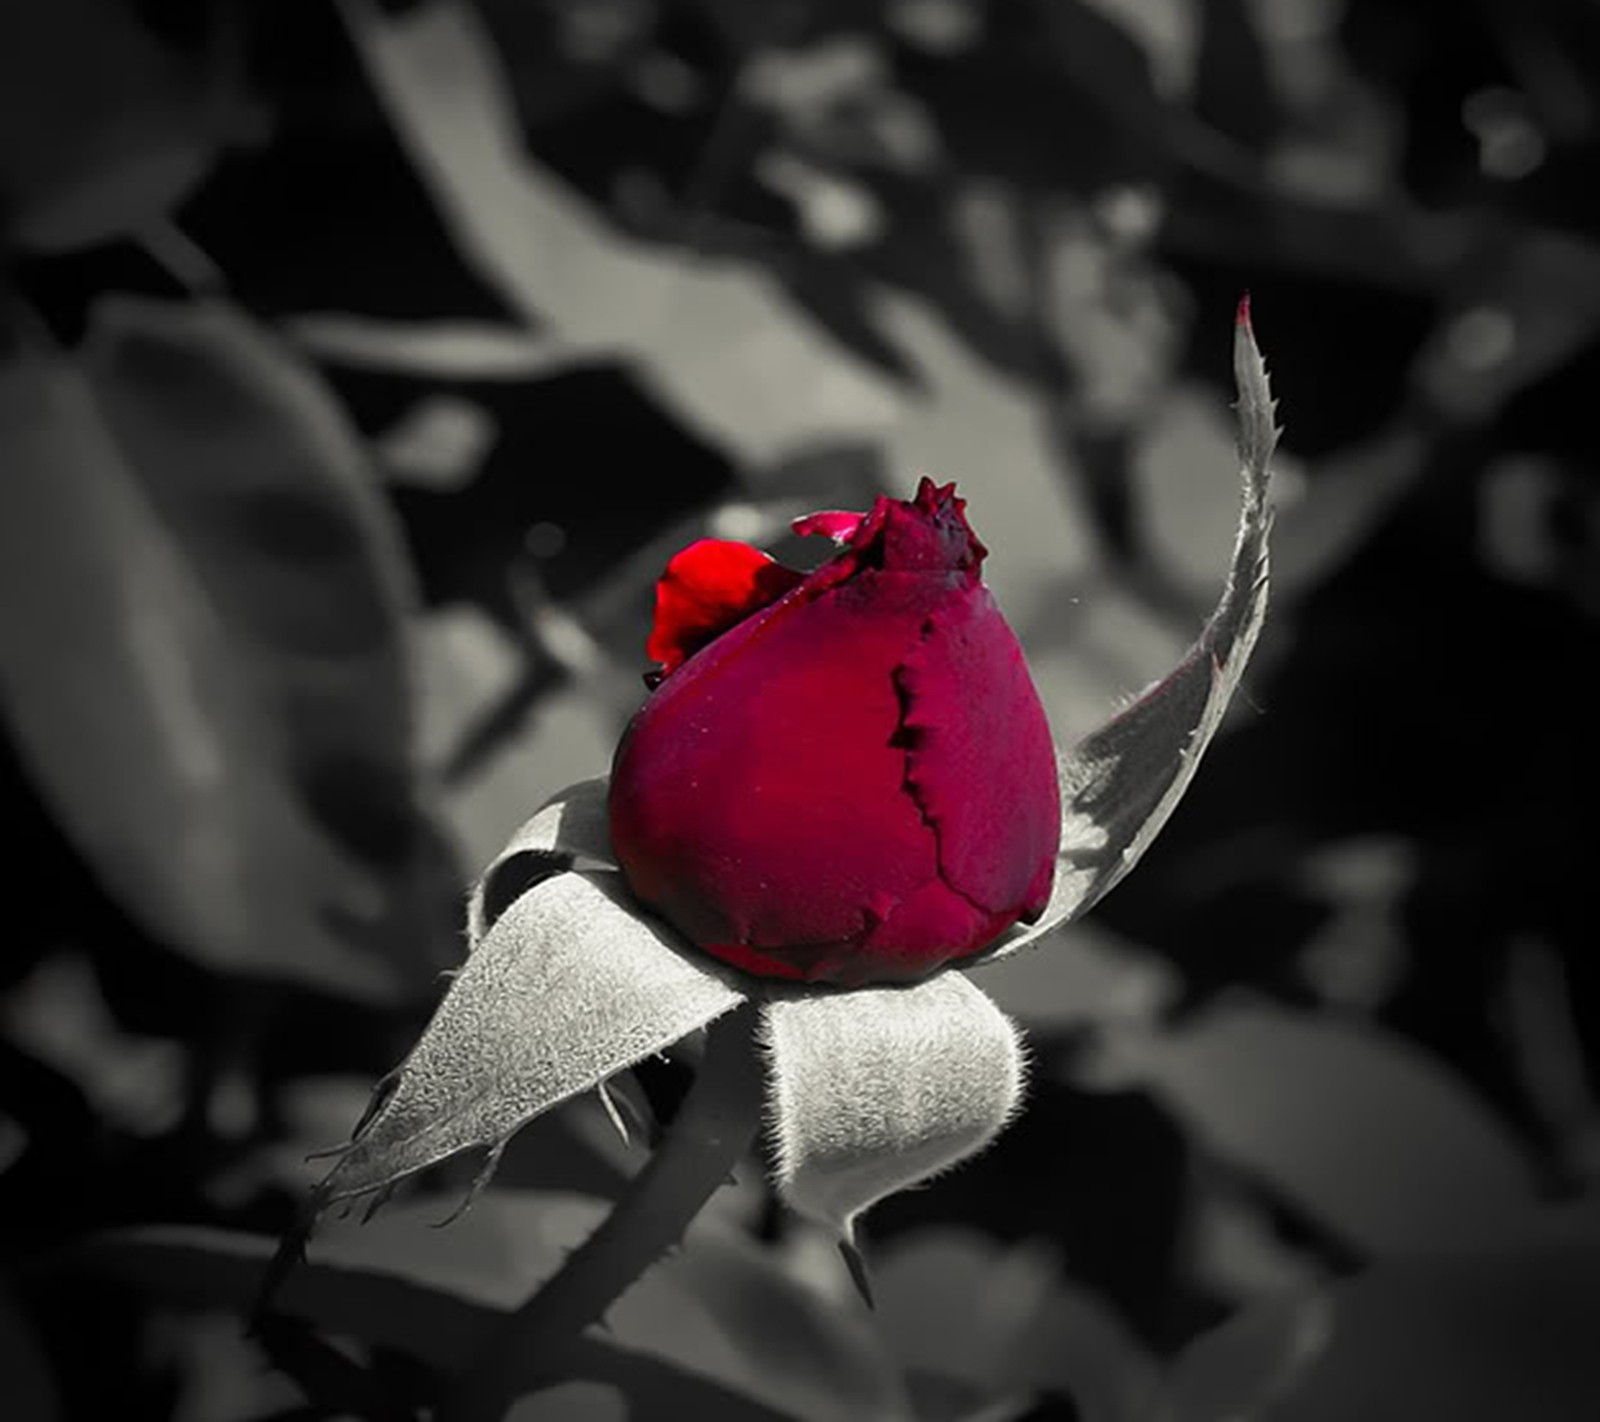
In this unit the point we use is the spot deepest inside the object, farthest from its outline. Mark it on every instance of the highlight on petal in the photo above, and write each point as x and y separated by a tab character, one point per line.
1120	783
570	830
841	525
874	1090
568	987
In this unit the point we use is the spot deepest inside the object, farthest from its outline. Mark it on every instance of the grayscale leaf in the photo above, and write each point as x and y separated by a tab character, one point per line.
1499	1332
570	830
136	701
718	340
1120	783
877	1089
386	1300
1362	1131
568	987
268	495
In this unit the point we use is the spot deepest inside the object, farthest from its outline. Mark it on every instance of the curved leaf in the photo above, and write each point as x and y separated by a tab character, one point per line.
372	1296
574	825
1120	783
1364	1132
267	494
722	1309
568	987
876	1089
103	129
721	1306
1503	1333
747	349
955	1303
441	350
31	1391
133	706
1089	978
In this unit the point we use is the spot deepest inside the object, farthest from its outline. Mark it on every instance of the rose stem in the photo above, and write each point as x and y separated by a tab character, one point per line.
714	1126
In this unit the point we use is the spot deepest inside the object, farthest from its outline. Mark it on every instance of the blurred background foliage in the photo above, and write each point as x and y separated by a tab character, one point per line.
361	362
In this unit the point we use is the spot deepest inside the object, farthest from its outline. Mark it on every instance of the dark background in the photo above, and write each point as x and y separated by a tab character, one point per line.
360	365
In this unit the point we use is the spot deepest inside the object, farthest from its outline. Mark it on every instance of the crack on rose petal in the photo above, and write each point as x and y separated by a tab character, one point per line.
906	738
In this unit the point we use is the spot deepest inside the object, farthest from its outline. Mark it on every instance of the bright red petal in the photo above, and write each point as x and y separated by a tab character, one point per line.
710	586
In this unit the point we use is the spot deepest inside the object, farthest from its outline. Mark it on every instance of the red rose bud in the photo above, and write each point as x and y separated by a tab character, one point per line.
843	776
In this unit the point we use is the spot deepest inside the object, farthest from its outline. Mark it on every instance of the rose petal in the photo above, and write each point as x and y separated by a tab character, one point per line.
729	860
979	756
781	799
877	1089
568	987
841	525
708	587
1120	783
568	828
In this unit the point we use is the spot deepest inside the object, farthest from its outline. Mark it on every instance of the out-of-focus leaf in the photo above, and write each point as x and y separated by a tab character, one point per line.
1117	325
31	1394
1519	309
1182	472
465	662
1358	1129
430	350
1087	978
1233	88
1543	1020
1354	491
134	1084
954	1303
202	1267
1522	307
840	300
567	987
1120	783
720	1306
439	443
1392	244
989	434
281	1350
470	672
1125	52
272	502
720	1313
102	130
1237	1254
215	1371
1507	1333
139	711
197	1267
245	456
717	340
